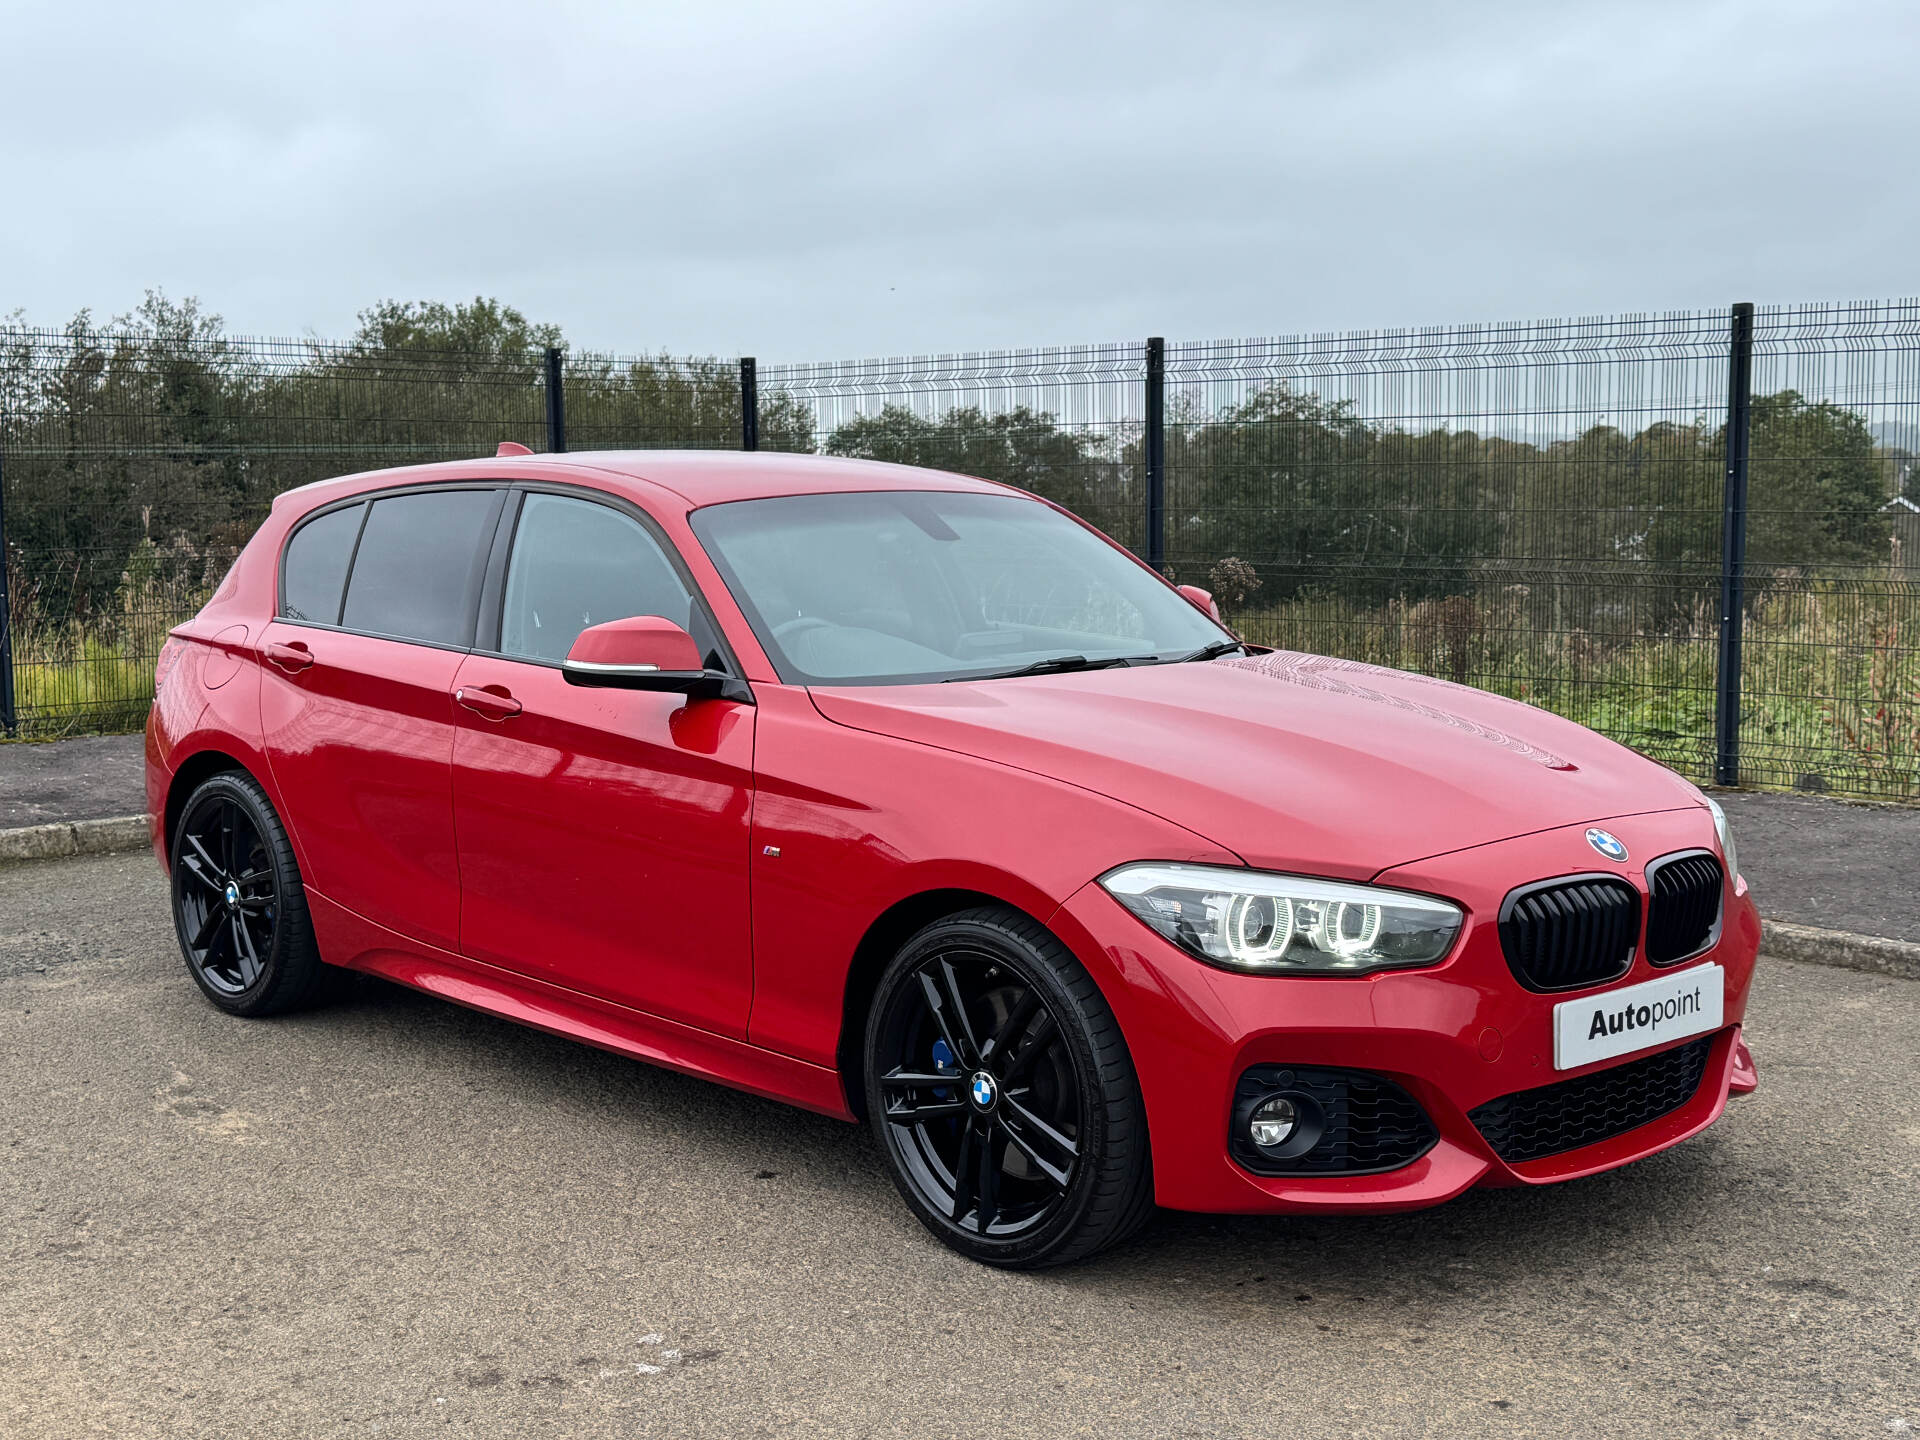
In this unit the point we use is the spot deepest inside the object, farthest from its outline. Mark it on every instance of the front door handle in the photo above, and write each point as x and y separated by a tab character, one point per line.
291	658
492	701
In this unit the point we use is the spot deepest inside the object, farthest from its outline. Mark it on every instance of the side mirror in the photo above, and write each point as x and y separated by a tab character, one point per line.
1201	600
641	653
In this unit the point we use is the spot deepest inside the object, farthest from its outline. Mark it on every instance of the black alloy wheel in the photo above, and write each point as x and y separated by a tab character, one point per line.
1000	1087
238	905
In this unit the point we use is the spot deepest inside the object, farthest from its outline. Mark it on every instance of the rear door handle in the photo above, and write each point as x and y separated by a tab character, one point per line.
292	658
493	702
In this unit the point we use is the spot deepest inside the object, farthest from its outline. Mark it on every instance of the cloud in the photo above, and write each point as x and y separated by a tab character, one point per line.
851	178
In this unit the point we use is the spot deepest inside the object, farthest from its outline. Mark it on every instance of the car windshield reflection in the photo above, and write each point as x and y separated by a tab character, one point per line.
905	587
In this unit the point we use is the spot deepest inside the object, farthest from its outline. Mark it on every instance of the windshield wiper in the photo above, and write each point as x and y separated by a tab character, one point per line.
1212	652
1055	665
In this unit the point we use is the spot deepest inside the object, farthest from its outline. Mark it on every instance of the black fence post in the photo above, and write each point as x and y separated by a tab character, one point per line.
1156	439
556	402
9	717
749	404
1733	548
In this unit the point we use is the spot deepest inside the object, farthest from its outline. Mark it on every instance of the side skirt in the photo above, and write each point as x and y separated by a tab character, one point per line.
356	943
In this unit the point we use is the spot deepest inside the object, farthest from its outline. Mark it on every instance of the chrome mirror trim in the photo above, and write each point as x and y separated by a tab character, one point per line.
600	668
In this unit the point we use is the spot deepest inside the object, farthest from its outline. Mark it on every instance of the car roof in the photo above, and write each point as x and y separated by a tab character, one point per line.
707	477
699	477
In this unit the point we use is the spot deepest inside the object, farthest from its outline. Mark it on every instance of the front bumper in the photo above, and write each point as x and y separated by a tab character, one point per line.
1454	1035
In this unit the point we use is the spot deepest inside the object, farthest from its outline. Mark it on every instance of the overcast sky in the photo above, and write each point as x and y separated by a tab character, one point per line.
839	178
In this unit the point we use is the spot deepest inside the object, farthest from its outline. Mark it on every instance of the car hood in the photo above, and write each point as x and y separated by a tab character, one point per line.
1292	761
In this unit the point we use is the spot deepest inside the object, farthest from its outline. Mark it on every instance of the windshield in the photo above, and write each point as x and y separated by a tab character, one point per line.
905	586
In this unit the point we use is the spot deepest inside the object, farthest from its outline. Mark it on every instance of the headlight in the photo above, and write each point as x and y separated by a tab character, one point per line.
1727	852
1285	924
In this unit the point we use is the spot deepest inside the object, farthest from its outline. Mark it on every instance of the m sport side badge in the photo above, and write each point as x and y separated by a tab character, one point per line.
1606	844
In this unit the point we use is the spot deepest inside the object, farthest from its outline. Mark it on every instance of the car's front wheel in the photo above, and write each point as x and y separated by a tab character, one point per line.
1000	1087
238	905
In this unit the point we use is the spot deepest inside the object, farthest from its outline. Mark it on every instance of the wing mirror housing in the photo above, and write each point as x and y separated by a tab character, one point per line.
645	652
1201	600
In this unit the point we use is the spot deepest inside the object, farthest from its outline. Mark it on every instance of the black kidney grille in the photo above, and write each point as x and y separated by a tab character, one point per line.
1371	1123
1532	1124
1563	934
1683	909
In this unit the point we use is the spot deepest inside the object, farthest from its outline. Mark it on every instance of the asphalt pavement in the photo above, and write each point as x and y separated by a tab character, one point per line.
1840	866
396	1217
90	777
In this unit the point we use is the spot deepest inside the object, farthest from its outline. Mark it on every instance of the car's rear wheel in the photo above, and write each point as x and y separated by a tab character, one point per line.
238	905
1000	1087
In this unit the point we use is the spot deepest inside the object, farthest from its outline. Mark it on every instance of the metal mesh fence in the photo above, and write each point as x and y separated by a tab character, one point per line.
1533	508
136	465
1064	423
1537	509
651	402
1530	508
1831	692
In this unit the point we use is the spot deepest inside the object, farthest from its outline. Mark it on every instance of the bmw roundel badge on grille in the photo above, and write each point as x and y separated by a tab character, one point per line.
1606	844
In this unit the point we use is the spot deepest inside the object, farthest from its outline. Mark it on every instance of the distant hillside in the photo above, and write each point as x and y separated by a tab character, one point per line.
1900	434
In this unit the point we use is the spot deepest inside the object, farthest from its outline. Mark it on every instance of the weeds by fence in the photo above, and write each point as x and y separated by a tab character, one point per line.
1539	509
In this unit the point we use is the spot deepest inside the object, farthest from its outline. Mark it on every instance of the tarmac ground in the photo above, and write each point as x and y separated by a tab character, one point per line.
392	1216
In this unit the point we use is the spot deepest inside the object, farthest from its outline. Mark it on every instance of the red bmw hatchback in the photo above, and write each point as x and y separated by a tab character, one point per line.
910	798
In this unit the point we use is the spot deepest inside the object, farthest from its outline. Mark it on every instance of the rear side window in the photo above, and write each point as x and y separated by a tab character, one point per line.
417	572
315	570
577	564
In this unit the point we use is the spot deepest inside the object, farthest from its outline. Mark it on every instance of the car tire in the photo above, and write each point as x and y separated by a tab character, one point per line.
239	907
1037	1153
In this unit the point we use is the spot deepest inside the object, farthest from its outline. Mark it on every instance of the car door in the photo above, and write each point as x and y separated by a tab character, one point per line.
376	611
602	833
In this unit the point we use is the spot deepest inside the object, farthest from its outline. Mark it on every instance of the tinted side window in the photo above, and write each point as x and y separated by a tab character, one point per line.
418	566
577	564
315	568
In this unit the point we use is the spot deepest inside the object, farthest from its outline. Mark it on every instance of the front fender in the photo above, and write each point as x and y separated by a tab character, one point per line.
848	825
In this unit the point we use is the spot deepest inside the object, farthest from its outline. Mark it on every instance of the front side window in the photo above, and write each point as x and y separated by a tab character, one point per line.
416	574
576	563
907	586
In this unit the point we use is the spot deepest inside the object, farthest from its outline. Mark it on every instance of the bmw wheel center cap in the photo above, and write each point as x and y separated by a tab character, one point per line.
232	894
983	1091
1606	844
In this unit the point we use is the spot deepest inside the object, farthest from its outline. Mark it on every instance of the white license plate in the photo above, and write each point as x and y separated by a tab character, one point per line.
1618	1022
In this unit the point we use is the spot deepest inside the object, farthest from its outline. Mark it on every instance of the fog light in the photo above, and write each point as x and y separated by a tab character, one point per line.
1272	1122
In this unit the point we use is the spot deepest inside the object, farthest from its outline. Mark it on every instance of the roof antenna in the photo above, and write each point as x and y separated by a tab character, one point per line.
512	447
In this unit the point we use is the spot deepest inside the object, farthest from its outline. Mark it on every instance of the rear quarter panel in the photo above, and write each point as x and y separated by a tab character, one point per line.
208	700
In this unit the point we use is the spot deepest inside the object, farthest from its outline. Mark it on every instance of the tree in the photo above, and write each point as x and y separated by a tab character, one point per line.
1618	532
1815	489
666	402
115	435
482	327
1022	447
1319	499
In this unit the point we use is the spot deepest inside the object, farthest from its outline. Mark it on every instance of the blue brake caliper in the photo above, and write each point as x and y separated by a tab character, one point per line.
942	1060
